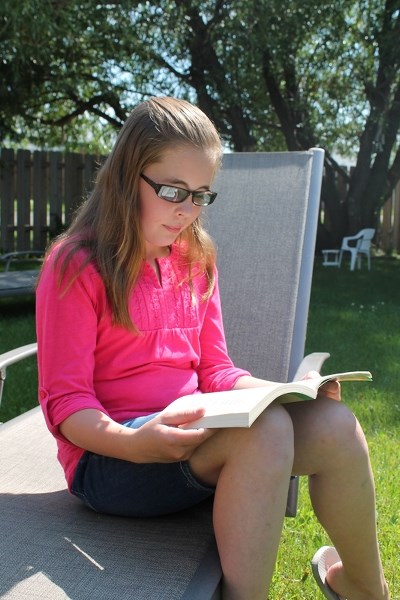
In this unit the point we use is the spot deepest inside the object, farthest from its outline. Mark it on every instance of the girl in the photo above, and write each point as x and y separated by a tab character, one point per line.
130	294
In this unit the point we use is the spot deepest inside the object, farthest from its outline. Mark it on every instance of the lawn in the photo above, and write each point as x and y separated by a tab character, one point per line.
355	317
17	327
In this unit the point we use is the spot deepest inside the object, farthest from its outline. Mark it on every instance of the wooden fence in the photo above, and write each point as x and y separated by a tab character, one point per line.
39	192
388	234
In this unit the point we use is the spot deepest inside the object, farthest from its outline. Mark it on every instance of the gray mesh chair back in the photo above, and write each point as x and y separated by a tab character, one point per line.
264	222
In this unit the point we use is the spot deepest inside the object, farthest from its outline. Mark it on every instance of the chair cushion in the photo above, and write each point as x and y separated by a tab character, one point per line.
51	547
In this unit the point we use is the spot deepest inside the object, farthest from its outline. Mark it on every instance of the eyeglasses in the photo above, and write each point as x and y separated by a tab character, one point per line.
177	194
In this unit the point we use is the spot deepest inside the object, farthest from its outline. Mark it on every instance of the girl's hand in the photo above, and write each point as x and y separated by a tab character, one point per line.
330	389
162	440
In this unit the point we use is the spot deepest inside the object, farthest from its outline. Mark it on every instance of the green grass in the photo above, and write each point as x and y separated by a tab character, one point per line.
355	317
17	328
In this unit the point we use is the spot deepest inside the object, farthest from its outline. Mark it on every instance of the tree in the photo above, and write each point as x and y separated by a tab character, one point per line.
58	66
271	75
329	72
375	174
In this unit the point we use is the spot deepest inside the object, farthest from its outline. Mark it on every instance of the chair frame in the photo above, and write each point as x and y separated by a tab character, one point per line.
19	282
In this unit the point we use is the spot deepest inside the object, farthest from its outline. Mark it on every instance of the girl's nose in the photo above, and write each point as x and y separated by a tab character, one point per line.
186	207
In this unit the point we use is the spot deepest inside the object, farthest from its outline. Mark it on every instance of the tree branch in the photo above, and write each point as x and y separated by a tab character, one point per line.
336	167
90	106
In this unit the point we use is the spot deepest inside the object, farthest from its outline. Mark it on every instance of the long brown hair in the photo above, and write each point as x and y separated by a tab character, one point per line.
108	223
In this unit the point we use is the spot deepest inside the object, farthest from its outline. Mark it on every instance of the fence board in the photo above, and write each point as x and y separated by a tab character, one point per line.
7	196
73	184
23	193
40	193
91	166
385	225
56	186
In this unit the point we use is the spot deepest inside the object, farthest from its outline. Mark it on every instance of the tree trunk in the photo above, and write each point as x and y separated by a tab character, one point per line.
207	72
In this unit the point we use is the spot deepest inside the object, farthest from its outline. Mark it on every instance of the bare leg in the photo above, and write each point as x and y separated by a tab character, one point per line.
331	448
251	469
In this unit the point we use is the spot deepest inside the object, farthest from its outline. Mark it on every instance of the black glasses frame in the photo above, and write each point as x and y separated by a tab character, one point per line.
176	195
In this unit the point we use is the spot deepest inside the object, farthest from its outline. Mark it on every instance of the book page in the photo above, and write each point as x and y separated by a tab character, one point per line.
232	401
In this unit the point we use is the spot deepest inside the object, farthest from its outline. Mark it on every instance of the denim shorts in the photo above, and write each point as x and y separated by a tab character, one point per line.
119	487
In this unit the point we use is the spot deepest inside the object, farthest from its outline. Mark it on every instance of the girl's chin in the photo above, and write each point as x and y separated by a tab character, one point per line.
159	250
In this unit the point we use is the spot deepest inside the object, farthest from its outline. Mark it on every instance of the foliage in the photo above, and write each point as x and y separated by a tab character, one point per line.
55	72
271	75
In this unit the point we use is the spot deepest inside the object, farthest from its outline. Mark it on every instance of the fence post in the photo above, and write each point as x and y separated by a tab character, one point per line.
73	177
56	187
7	196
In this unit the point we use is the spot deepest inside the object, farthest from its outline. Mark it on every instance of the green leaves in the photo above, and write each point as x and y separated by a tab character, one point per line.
271	75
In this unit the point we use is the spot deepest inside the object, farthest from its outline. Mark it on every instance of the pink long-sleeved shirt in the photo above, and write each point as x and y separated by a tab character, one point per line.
87	362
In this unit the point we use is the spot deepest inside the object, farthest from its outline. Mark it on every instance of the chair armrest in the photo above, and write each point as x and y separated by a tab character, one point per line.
14	356
311	362
352	238
357	236
11	357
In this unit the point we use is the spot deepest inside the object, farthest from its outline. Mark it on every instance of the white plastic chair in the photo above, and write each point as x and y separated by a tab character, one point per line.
357	245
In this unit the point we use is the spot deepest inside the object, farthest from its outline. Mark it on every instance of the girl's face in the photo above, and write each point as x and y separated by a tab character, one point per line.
162	221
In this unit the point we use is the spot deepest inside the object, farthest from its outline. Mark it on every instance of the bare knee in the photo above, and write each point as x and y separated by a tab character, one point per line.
337	426
325	430
270	441
266	445
274	432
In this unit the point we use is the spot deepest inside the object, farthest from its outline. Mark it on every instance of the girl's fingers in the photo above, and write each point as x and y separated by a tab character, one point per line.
331	389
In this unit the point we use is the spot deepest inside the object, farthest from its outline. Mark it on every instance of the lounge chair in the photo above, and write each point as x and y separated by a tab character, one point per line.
19	282
52	547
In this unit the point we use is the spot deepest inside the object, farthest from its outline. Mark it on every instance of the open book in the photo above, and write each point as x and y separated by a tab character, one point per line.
240	408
